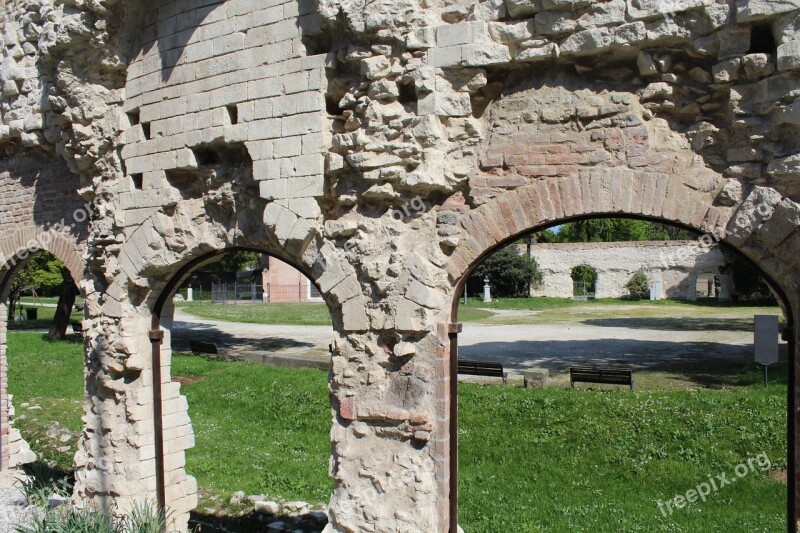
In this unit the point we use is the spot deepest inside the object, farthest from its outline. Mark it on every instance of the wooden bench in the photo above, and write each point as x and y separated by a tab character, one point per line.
201	347
596	374
482	368
77	327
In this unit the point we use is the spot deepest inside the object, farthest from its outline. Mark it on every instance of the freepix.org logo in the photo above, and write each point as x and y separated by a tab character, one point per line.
703	490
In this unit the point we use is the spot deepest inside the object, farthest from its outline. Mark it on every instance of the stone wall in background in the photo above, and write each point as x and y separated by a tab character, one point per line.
677	265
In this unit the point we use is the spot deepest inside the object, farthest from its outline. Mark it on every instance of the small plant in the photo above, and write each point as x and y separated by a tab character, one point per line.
40	483
143	518
638	286
71	520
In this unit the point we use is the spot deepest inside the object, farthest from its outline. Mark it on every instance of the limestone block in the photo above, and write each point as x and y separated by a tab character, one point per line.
384	91
504	32
490	10
464	33
656	91
565	4
752	10
630	34
646	64
478	55
733	42
757	66
647	9
537	54
375	67
727	71
587	42
446	104
791	114
789	55
788	166
420	39
521	8
732	193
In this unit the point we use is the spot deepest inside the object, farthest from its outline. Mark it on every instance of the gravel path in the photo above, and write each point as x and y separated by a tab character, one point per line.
14	510
552	346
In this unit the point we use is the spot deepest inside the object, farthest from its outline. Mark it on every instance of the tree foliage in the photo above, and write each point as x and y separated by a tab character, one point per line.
638	286
234	262
585	278
509	273
613	230
748	283
42	272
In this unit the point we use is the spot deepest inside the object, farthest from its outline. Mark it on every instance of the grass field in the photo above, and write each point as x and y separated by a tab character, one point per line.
531	460
43	321
663	314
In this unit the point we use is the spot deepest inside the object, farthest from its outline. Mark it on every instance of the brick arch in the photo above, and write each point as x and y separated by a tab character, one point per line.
770	243
14	451
34	238
646	194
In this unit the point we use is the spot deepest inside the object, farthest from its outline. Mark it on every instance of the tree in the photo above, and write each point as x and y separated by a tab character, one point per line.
510	273
748	282
584	278
613	230
638	286
58	328
233	262
41	271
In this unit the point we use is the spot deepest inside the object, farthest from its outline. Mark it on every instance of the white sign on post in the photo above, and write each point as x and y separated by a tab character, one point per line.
766	339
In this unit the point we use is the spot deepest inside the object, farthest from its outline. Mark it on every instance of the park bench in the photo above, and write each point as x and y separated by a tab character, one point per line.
482	368
596	374
77	328
201	347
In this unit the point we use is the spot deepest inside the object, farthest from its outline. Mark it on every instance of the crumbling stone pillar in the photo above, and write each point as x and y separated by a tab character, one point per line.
116	462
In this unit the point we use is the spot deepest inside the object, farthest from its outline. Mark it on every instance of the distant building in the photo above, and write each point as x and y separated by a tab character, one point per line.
284	283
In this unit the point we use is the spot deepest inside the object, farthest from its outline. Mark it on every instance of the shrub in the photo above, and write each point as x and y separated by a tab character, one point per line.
638	286
510	274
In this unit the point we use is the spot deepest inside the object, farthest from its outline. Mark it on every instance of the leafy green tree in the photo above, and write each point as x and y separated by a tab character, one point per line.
638	286
613	230
42	271
584	277
510	274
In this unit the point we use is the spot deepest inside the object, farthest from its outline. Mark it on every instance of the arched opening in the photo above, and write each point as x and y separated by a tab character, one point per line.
42	367
705	285
584	280
254	374
539	483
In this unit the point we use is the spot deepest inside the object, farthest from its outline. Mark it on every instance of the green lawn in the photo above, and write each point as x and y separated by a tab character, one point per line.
663	314
303	314
542	460
43	321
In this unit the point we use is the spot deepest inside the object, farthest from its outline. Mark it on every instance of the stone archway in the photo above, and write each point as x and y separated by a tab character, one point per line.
15	249
744	226
151	426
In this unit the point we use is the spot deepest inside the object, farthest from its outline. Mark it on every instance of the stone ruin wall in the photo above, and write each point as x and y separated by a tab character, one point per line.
382	148
675	264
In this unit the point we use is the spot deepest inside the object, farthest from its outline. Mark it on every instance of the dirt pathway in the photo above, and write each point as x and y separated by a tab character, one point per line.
552	346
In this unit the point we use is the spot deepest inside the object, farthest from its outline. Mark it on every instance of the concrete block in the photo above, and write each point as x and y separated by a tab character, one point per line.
536	378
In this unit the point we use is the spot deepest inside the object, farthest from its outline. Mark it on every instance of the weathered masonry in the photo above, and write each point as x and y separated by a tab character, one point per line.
677	265
383	148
